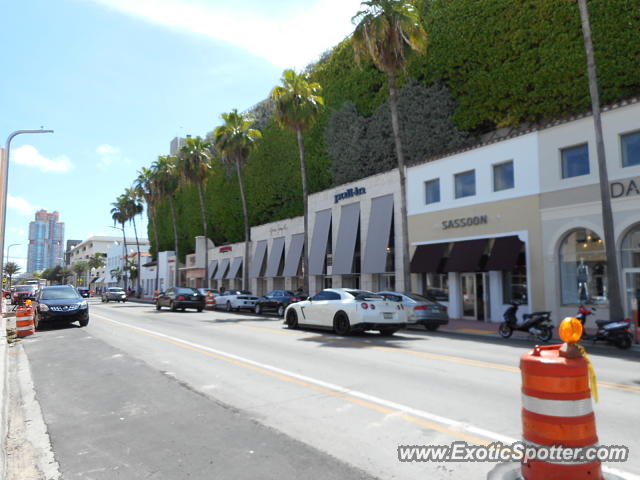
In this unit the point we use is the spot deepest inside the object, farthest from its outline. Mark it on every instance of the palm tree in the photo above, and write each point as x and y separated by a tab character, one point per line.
80	268
119	215
117	274
146	188
134	208
616	310
63	274
10	269
387	31
195	162
297	105
166	182
234	141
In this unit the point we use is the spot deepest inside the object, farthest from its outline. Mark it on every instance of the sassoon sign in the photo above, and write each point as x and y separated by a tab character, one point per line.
465	222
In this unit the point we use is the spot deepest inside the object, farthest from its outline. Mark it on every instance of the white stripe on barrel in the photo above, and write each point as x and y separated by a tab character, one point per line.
557	408
29	327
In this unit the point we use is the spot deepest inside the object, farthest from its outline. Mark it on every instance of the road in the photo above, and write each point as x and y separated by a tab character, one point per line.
147	394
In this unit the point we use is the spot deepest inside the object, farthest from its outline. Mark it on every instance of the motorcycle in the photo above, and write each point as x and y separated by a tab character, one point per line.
536	323
612	331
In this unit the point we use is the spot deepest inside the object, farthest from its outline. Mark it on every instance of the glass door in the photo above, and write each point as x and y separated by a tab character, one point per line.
632	288
469	303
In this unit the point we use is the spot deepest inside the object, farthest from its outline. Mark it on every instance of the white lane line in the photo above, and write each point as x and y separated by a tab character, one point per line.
450	423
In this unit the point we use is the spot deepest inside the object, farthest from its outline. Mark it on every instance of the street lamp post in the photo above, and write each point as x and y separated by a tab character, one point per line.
124	253
5	185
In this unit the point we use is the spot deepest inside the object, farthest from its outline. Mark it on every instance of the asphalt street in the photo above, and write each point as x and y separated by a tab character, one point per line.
147	394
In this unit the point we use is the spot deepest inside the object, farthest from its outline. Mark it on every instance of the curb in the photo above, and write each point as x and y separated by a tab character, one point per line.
4	397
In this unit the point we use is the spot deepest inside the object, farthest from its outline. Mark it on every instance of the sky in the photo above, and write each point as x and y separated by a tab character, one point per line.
118	79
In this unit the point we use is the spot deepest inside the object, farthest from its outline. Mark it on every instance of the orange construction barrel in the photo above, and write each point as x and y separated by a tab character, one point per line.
557	411
25	325
211	303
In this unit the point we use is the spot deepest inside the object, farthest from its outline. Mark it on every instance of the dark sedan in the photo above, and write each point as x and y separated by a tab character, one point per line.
420	310
181	298
62	304
276	301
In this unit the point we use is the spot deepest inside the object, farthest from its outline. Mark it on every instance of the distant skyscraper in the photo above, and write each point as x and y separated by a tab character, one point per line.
176	144
46	236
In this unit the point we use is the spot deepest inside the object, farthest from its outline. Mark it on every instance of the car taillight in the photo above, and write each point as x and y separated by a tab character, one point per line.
293	299
180	297
420	307
365	306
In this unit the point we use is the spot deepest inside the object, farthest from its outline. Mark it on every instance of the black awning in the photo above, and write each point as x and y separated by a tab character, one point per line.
504	254
466	256
427	258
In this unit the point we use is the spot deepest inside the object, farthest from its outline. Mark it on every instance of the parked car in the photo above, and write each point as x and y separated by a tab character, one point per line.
6	293
22	293
181	298
62	304
114	294
437	294
420	310
276	301
236	300
83	291
345	310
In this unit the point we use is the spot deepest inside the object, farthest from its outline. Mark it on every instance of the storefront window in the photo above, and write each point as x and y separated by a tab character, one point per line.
514	285
631	249
583	269
436	286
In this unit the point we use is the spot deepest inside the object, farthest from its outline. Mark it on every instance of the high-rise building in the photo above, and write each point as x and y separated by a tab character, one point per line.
176	144
46	236
70	246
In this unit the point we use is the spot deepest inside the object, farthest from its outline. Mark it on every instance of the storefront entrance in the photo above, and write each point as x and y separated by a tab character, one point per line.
631	288
474	295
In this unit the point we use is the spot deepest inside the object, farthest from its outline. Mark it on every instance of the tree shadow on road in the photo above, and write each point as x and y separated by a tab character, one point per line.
358	340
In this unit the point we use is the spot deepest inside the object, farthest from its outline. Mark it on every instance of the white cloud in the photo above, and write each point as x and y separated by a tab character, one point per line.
21	206
108	155
286	40
17	231
28	155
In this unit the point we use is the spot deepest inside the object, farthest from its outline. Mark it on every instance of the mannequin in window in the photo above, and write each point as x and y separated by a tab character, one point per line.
583	280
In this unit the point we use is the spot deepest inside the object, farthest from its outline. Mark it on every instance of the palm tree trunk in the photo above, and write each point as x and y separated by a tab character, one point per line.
135	231
305	201
124	260
616	311
393	104
247	230
174	219
206	235
154	219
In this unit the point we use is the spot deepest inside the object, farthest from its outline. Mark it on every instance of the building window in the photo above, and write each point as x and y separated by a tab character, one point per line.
503	176
630	149
630	251
583	268
575	161
514	282
432	191
436	286
465	184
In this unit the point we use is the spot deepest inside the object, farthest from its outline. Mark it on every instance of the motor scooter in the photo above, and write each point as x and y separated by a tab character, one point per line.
536	323
612	331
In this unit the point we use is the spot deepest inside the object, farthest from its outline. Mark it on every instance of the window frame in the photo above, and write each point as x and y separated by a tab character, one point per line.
622	155
455	184
513	175
433	181
562	160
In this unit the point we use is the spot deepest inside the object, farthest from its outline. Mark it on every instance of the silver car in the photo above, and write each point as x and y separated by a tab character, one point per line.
420	310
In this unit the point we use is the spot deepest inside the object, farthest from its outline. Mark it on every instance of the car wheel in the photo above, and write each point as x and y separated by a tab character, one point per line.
292	319
341	324
387	332
172	307
257	309
158	307
281	310
84	323
199	309
228	307
431	326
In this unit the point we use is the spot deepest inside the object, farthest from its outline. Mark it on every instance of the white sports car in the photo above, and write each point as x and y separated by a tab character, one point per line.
236	300
346	310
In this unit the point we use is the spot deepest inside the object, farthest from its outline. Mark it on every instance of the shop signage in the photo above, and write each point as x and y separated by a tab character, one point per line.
226	249
624	189
465	222
350	192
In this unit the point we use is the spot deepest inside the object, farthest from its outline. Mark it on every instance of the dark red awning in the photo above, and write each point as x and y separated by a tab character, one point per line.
465	256
427	258
504	254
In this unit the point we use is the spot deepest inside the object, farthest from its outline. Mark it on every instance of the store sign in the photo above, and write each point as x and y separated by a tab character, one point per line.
624	189
351	192
465	222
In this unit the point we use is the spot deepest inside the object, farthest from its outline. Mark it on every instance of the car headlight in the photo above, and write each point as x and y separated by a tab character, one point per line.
44	307
83	304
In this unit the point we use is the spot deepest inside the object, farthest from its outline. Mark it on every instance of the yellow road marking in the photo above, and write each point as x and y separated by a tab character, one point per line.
311	386
434	356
